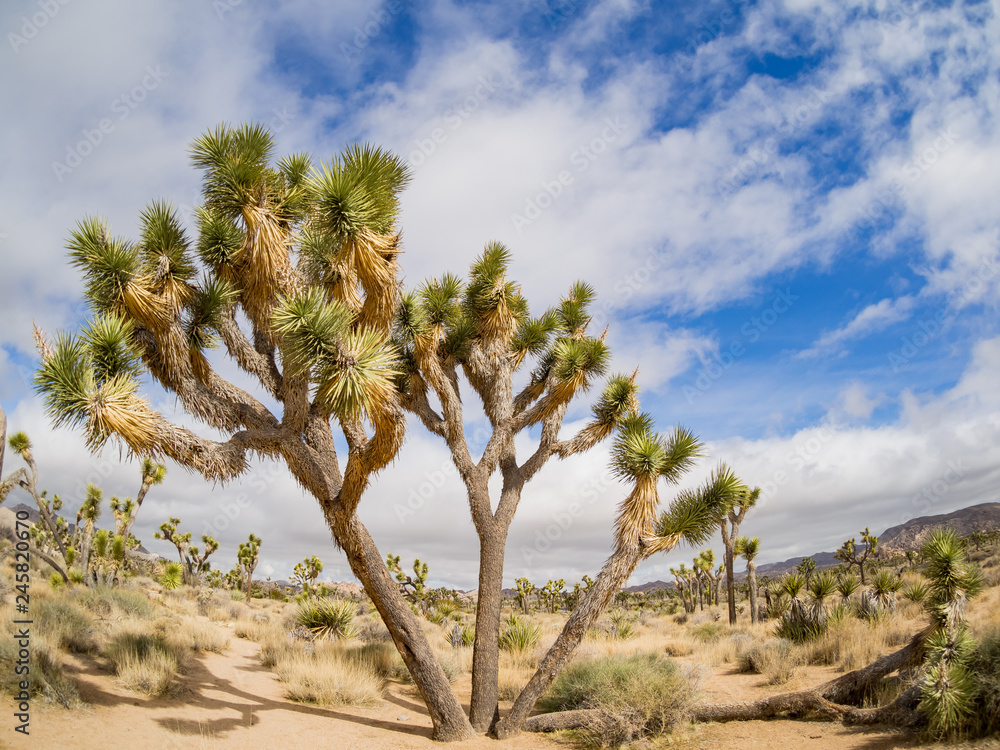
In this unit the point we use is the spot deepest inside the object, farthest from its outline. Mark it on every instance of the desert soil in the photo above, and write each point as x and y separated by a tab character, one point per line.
230	701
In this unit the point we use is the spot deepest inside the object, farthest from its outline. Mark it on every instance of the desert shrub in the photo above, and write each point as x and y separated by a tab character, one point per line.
622	624
774	658
66	625
326	678
635	696
519	634
372	630
201	636
144	663
380	658
48	681
986	674
328	618
108	602
510	683
710	631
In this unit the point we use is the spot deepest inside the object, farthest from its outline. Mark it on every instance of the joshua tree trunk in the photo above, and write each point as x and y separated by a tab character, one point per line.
486	647
752	583
367	564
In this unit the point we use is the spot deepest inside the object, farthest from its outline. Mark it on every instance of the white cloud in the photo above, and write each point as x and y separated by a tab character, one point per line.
871	319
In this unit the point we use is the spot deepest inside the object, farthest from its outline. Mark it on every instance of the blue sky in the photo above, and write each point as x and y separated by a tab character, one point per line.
788	211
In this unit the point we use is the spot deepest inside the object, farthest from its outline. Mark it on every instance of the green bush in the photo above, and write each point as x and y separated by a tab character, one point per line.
986	674
66	625
641	695
709	632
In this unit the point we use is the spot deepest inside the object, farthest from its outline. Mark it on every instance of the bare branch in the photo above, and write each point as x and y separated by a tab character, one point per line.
262	366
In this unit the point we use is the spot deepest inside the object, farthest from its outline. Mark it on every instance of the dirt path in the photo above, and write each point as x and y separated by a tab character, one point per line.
230	701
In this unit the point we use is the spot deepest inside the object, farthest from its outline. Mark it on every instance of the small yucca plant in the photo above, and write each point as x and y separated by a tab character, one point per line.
326	618
915	592
172	576
519	634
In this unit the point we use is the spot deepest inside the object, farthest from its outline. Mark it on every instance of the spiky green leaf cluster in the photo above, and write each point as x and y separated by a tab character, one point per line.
313	329
352	383
211	300
65	380
695	514
235	161
19	443
219	238
357	190
108	264
488	284
108	340
618	399
163	237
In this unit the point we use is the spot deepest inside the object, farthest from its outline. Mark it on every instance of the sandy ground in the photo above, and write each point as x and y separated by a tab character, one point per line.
230	701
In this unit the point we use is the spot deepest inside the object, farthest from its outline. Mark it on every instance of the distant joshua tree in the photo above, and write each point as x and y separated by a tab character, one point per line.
748	550
855	554
730	527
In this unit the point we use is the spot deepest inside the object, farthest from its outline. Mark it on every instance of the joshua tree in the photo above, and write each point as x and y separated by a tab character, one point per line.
947	692
807	567
152	473
748	550
730	527
414	588
642	458
306	573
247	556
193	561
852	553
550	594
308	257
484	329
525	589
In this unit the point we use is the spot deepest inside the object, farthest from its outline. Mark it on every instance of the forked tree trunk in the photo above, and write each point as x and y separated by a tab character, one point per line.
450	722
486	648
613	575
